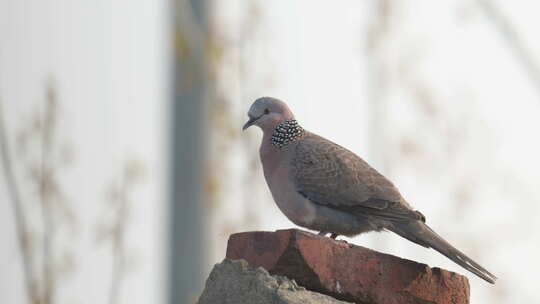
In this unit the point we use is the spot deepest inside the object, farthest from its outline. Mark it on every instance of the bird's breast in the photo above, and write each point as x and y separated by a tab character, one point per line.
277	174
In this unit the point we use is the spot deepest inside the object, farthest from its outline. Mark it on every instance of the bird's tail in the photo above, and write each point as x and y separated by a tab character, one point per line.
421	234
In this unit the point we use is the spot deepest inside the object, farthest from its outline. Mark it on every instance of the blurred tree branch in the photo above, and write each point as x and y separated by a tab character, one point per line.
21	224
224	133
514	40
114	231
41	268
47	190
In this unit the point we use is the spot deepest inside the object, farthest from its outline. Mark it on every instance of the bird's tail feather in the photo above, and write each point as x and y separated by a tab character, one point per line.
421	234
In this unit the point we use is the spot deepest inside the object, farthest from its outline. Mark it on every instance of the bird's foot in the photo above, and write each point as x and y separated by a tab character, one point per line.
332	236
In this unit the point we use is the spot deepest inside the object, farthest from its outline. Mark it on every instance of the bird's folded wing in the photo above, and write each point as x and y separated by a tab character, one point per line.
330	175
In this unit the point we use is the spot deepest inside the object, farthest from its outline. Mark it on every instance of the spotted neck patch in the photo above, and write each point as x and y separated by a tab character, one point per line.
286	132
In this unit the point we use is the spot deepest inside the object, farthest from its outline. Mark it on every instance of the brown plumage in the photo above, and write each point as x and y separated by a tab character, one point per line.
322	186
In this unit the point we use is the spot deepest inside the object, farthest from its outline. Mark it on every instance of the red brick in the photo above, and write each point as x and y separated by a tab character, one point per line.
345	271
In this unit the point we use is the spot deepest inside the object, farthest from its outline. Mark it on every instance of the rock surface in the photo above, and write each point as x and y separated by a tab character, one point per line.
232	282
347	272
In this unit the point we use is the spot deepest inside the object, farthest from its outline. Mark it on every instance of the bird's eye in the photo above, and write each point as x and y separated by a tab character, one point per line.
266	111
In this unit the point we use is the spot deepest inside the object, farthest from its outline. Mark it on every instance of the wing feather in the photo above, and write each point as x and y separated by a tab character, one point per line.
330	175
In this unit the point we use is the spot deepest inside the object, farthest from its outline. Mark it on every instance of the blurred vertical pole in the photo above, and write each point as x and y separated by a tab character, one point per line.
187	233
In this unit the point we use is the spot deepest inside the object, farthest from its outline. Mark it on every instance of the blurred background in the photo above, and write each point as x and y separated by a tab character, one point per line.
124	168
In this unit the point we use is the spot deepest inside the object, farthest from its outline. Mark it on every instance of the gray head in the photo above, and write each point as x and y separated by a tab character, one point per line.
267	113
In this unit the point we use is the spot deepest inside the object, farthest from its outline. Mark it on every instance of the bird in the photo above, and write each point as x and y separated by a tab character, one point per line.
322	186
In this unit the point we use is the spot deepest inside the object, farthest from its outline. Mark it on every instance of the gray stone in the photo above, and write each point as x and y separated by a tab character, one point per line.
234	281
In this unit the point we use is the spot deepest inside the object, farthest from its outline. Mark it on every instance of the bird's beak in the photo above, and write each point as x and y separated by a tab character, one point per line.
249	123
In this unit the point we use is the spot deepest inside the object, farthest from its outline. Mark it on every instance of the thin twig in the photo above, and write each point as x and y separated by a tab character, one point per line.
45	184
118	263
21	225
514	40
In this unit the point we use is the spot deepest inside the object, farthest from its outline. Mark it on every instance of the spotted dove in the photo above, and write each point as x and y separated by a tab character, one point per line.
322	186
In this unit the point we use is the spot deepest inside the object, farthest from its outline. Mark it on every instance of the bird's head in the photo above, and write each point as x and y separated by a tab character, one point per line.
267	113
